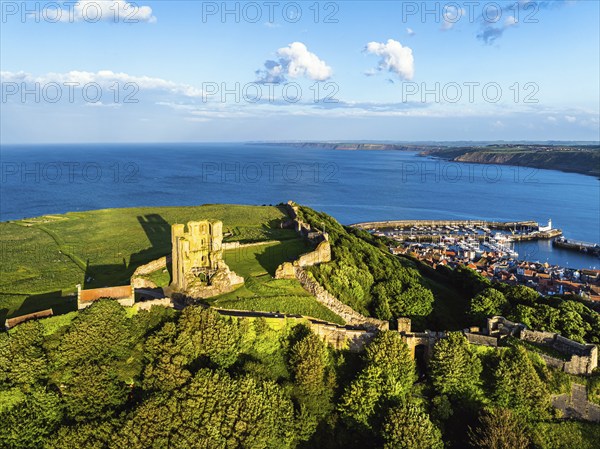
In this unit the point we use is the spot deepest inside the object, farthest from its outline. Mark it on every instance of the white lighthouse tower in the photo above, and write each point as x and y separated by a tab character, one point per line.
546	228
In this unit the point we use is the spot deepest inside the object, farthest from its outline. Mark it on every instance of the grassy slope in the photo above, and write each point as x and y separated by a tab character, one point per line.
44	258
263	293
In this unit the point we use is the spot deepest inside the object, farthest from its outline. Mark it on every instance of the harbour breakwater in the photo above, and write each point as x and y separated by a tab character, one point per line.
434	230
509	225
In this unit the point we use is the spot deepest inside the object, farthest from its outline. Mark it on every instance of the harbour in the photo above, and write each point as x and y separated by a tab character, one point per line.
490	248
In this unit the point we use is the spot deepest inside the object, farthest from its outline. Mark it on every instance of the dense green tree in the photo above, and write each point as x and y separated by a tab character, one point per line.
489	302
390	353
381	302
408	427
27	423
566	434
365	276
310	367
454	368
499	429
361	397
571	323
441	410
521	295
166	368
92	391
387	377
92	435
100	333
23	360
213	411
414	301
204	333
518	386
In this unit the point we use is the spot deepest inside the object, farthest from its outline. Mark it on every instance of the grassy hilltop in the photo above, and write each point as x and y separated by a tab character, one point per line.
44	258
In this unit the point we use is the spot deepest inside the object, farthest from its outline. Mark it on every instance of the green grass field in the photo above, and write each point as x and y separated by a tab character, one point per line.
261	292
44	258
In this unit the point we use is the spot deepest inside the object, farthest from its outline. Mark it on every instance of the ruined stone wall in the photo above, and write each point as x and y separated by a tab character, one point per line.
151	267
498	325
482	340
583	358
553	361
539	337
582	364
339	337
321	254
572	347
236	245
576	405
424	339
124	295
137	278
147	305
348	314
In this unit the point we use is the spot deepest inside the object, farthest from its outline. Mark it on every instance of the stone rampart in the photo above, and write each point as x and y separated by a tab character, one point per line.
137	278
582	358
346	312
147	305
482	340
500	326
539	337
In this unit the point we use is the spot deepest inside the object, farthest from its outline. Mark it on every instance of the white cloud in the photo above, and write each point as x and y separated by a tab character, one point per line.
294	61
570	118
102	10
410	32
394	58
105	78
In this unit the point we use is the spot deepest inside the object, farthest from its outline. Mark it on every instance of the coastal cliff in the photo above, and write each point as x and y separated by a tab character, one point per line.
585	161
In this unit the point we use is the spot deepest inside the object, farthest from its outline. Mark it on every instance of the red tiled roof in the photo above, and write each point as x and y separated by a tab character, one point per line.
106	292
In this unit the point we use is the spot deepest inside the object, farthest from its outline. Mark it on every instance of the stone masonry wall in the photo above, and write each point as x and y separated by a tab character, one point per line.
348	314
147	305
546	338
137	279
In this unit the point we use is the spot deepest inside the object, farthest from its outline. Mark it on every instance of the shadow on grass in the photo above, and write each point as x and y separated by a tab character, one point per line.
288	251
158	231
34	303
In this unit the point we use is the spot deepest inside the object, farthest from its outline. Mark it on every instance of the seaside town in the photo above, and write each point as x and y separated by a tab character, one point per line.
488	249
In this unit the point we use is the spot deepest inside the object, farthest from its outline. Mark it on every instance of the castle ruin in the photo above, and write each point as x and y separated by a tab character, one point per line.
197	260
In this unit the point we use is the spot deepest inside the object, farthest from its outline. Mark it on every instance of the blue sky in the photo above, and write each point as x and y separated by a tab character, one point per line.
357	71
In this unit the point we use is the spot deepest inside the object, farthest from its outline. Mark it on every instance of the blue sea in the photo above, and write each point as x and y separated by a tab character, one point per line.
353	186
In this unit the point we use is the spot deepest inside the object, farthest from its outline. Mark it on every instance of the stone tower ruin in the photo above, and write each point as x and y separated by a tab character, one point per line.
197	252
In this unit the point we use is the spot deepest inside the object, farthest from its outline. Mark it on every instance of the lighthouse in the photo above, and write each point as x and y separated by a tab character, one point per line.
546	228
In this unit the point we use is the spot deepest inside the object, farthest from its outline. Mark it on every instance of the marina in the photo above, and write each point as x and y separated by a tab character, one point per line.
471	237
490	249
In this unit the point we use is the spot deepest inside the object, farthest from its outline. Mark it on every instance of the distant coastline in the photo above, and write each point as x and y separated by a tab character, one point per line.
572	158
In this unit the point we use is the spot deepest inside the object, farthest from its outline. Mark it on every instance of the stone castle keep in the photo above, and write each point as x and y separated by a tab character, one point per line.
196	253
197	260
